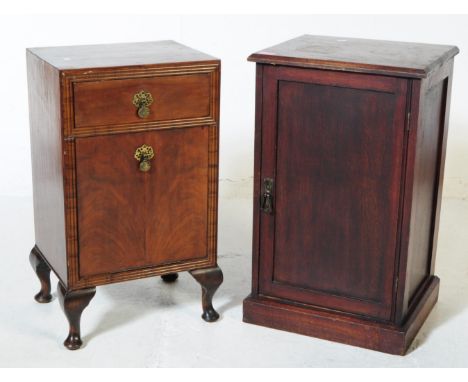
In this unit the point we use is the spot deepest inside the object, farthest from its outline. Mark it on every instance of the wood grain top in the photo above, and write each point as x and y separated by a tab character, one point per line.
402	59
120	55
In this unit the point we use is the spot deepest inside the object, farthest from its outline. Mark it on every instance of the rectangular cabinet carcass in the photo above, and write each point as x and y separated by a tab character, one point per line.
124	141
349	158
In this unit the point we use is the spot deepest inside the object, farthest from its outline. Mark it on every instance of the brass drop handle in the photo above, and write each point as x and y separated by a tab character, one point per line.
142	101
144	154
267	197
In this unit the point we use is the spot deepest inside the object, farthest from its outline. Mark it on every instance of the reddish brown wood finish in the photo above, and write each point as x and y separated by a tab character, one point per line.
424	180
46	160
211	122
395	58
162	213
343	328
355	124
42	271
209	279
111	56
199	111
110	102
99	219
357	163
73	303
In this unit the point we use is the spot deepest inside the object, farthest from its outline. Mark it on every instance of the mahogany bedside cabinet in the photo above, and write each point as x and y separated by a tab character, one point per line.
349	159
124	142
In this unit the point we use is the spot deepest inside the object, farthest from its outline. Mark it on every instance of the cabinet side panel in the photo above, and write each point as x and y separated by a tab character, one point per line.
46	156
428	173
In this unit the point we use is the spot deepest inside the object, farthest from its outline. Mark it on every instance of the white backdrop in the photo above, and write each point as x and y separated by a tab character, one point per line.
232	39
120	315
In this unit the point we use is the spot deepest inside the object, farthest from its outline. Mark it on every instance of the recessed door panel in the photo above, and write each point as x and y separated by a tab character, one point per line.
336	159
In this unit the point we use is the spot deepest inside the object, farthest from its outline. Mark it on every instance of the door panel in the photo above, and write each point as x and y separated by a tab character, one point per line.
335	153
126	217
177	196
111	217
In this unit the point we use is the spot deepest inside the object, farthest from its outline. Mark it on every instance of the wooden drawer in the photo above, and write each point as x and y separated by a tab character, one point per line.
110	102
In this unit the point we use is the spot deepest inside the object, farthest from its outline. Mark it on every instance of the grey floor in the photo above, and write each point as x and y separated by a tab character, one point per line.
149	323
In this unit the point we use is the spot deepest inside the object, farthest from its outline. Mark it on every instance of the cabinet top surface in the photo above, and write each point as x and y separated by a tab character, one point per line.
403	59
119	55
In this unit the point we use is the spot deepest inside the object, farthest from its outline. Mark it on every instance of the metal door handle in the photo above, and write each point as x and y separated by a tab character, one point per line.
267	197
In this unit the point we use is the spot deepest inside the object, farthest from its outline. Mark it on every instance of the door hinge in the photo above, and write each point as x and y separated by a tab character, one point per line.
408	119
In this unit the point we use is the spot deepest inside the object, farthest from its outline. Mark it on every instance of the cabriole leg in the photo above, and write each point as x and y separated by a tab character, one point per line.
210	279
73	303
43	273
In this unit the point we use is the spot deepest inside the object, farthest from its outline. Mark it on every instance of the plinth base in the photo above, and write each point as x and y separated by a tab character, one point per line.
331	325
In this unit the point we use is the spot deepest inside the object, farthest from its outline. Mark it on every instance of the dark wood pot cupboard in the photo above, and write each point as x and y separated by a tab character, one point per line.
350	145
124	144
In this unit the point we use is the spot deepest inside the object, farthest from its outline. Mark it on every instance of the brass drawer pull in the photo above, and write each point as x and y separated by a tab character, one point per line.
142	101
144	154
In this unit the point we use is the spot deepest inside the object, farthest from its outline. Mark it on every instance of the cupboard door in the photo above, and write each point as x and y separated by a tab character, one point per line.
129	218
334	144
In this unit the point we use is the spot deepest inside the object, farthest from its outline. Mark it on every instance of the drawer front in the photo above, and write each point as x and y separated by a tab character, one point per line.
134	216
113	102
333	144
